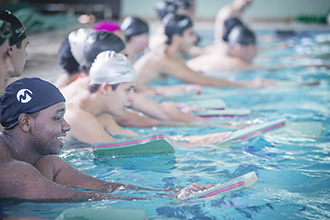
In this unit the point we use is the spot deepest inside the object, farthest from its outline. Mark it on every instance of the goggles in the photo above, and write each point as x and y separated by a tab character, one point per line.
5	31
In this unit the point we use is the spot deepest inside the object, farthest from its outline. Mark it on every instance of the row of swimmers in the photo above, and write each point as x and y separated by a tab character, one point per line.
96	99
34	127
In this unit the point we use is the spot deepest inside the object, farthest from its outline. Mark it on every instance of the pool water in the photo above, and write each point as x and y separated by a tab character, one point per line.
293	171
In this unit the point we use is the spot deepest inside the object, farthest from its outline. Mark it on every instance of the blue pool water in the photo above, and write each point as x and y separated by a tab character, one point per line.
293	171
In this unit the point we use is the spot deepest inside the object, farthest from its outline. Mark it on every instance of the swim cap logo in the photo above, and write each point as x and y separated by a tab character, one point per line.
20	31
24	96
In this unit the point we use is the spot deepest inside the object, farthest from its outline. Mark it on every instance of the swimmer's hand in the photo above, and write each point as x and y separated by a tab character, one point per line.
189	190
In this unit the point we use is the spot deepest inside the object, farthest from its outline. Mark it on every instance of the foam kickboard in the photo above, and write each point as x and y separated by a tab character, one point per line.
308	129
254	130
223	113
217	104
179	96
233	185
292	84
152	144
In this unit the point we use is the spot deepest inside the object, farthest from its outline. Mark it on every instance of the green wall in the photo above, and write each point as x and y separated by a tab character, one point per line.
207	9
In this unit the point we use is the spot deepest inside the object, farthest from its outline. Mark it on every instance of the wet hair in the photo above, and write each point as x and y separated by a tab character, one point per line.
67	61
175	24
230	23
98	42
92	88
18	29
241	35
170	6
133	26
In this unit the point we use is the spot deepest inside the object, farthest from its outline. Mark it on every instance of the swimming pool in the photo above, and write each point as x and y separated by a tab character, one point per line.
293	171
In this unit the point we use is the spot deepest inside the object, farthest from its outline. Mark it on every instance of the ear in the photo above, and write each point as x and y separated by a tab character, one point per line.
10	51
24	121
176	37
105	87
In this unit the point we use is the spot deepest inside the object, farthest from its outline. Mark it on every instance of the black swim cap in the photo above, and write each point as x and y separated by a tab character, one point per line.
18	29
132	26
230	23
27	95
175	24
77	40
100	41
241	35
67	61
5	31
170	6
163	8
185	4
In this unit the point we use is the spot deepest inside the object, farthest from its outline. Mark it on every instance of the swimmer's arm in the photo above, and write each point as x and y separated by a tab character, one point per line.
181	71
59	171
21	180
135	119
87	128
113	128
162	112
200	140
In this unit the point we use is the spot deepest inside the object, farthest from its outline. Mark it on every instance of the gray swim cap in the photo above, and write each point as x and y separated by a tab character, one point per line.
77	40
113	68
100	41
132	26
241	35
175	24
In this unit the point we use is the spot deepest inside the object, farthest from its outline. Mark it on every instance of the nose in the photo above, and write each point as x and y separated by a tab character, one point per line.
131	96
65	126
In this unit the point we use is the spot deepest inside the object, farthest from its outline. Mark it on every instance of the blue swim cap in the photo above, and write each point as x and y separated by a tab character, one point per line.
132	26
175	24
18	29
27	95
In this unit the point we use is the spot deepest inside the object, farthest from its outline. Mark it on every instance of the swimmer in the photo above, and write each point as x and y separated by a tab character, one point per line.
182	7
67	60
136	33
235	9
17	42
34	129
6	67
154	113
169	60
68	63
240	51
110	91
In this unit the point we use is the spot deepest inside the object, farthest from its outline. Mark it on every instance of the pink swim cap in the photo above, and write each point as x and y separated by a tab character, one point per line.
109	26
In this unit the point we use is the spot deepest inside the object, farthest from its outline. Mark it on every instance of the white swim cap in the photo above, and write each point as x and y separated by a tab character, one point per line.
77	40
113	68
